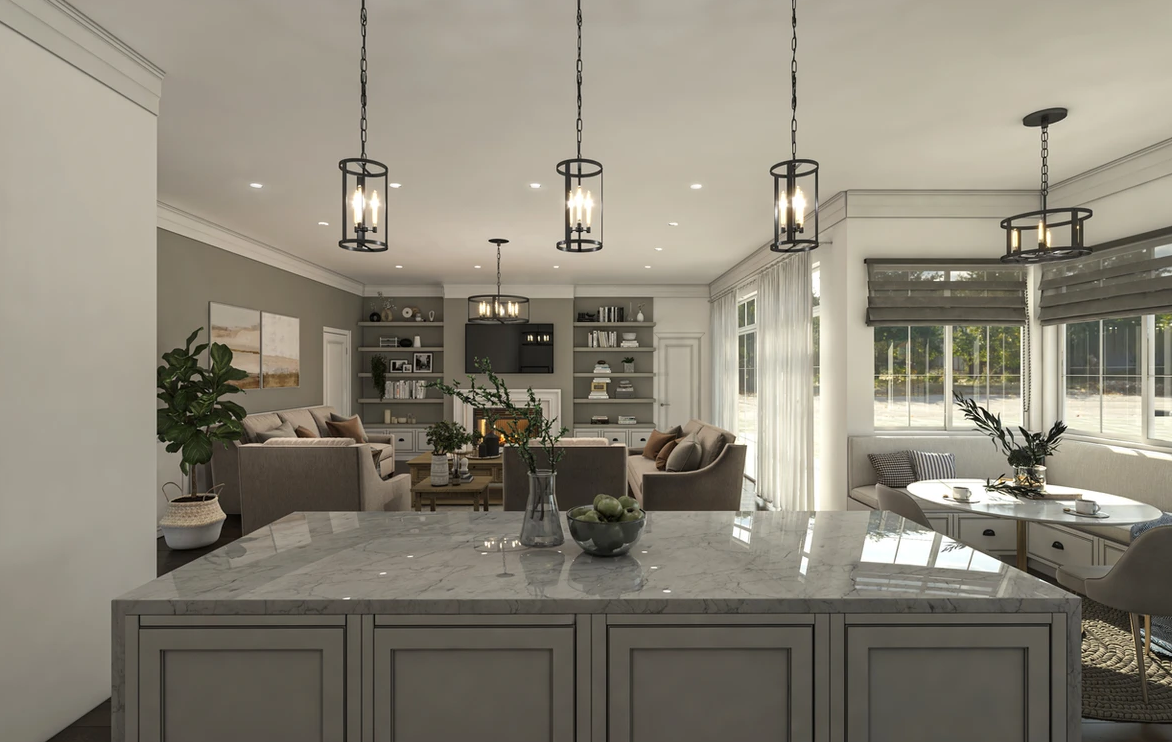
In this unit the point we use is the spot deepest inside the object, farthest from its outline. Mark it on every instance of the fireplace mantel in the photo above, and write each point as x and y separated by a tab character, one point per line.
549	399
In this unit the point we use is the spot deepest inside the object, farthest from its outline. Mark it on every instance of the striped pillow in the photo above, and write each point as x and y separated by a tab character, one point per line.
893	469
930	465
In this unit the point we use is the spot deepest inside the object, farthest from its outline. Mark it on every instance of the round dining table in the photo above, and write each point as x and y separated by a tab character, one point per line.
1119	511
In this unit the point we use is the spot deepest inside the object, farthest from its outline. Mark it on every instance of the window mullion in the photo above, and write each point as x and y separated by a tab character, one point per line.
948	377
1147	379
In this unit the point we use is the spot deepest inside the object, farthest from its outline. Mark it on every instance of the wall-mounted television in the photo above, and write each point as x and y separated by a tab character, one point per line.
512	349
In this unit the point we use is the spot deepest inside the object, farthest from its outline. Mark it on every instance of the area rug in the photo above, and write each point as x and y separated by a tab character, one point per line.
1110	677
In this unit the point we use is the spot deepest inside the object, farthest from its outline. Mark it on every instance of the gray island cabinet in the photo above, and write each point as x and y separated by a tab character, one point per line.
406	627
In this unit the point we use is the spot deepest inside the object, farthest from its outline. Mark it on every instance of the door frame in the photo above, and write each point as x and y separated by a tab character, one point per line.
690	341
347	373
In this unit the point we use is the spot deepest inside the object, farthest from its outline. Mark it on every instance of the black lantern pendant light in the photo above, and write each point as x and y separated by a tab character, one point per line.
1047	235
795	227
583	201
363	209
498	308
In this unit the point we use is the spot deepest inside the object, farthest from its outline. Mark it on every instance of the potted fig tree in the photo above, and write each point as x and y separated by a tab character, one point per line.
193	418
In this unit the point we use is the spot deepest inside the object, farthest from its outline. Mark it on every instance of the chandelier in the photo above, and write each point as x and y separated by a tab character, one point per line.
362	209
1047	235
795	227
583	229
498	308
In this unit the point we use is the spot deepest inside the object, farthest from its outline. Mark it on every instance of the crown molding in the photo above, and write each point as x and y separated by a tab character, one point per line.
188	225
67	33
533	291
938	204
1130	171
401	289
651	290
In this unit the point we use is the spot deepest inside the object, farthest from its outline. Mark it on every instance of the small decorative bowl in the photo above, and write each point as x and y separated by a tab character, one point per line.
629	336
604	539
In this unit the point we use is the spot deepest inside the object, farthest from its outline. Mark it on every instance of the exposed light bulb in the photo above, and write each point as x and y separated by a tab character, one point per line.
374	204
358	205
1014	240
799	204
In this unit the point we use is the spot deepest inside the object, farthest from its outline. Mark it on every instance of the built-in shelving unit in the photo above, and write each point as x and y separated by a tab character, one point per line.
421	412
401	324
424	349
642	406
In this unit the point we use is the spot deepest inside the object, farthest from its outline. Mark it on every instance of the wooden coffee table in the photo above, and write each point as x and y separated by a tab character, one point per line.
493	468
477	489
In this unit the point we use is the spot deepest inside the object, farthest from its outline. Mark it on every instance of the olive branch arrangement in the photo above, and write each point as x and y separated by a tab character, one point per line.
1032	448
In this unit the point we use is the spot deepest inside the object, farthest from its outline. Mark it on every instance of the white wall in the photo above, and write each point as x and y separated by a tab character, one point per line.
77	312
690	315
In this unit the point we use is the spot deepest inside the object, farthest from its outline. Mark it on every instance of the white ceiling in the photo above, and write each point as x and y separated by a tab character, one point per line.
471	100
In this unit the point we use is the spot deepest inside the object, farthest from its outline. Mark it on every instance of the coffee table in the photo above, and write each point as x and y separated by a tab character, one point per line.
493	467
477	489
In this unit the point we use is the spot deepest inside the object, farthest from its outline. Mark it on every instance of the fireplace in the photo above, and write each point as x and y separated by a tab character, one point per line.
508	425
470	417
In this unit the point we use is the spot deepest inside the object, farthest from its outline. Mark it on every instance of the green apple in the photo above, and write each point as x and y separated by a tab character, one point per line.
590	516
631	515
609	507
628	502
597	498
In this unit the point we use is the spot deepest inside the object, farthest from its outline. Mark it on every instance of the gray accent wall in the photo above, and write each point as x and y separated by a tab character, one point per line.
191	274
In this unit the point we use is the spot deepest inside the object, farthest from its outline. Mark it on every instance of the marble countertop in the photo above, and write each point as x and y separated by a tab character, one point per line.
711	562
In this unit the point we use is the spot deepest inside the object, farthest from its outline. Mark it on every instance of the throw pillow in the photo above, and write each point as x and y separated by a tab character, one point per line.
284	430
304	432
342	427
930	465
664	453
893	469
658	440
686	456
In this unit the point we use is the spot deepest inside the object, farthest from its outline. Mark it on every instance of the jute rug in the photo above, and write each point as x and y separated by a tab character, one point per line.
1110	677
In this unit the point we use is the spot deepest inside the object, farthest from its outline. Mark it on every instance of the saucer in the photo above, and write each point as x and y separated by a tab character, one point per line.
1100	515
969	501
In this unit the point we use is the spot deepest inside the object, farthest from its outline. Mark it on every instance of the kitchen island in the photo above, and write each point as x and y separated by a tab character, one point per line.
412	627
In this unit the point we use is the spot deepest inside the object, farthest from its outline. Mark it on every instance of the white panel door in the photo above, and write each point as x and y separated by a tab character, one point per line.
336	370
677	362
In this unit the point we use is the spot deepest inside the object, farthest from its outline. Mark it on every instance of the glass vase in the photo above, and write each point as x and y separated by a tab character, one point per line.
542	525
1033	477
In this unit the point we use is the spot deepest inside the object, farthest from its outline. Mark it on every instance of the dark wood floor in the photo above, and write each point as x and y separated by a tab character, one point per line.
95	726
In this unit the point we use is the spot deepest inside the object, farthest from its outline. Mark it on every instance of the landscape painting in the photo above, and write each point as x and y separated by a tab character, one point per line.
239	329
280	351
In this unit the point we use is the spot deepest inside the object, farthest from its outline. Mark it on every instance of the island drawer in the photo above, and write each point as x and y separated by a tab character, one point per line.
987	534
1059	546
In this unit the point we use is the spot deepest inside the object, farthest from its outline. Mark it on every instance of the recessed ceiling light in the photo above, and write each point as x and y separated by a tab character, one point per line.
674	224
696	186
398	266
659	249
323	224
534	185
395	185
557	266
476	266
256	185
646	266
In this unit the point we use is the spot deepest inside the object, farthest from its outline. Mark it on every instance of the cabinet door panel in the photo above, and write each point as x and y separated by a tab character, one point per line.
911	683
242	685
442	684
696	684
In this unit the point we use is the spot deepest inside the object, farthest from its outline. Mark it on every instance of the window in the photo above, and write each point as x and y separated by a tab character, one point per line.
1111	367
747	379
918	368
816	291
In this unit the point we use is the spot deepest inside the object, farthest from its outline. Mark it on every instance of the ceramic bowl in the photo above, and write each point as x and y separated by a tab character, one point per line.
604	539
628	336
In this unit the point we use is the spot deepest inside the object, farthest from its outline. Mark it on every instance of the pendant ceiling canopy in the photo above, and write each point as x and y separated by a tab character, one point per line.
1049	234
364	210
498	308
582	179
795	181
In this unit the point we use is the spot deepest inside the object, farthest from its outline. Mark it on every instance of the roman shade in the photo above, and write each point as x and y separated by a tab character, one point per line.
1120	279
945	292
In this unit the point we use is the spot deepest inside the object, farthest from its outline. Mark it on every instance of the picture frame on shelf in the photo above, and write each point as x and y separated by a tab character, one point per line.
399	367
423	363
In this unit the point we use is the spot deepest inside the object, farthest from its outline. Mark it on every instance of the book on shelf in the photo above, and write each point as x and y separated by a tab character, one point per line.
612	314
406	389
602	339
602	367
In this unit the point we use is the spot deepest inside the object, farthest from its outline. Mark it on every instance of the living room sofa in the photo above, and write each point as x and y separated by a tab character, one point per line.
589	466
226	459
716	485
286	475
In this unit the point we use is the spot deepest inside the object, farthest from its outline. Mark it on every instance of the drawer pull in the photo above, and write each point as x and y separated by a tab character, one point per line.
988	532
1058	545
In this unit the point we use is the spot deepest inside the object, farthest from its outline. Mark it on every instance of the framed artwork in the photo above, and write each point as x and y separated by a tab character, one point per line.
240	330
280	351
399	367
423	363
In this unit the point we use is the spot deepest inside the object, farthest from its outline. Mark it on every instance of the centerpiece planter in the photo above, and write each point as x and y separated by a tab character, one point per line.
542	524
1026	453
1032	476
440	472
446	438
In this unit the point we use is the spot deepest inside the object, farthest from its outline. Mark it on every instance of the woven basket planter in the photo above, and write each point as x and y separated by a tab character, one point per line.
192	524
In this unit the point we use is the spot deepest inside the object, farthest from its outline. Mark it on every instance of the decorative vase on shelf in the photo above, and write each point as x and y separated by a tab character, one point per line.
439	470
542	524
375	317
628	368
639	316
1033	476
388	314
386	417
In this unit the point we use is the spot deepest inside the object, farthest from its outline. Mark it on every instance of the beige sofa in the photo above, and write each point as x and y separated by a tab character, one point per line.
716	485
226	459
590	466
288	475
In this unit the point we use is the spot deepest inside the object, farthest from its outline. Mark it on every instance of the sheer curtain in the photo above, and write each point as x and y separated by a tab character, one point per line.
785	385
724	361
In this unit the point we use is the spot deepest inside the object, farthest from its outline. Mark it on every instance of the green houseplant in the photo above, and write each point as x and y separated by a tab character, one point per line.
1026	452
378	374
535	437
445	438
193	417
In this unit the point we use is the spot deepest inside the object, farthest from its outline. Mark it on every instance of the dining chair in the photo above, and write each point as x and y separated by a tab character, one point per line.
1137	585
901	503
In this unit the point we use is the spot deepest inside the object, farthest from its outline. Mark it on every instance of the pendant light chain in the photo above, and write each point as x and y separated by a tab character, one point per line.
498	272
362	127
793	71
579	68
1045	163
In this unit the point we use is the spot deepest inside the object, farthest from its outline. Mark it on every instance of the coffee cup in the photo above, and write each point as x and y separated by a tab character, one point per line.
1086	507
962	494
